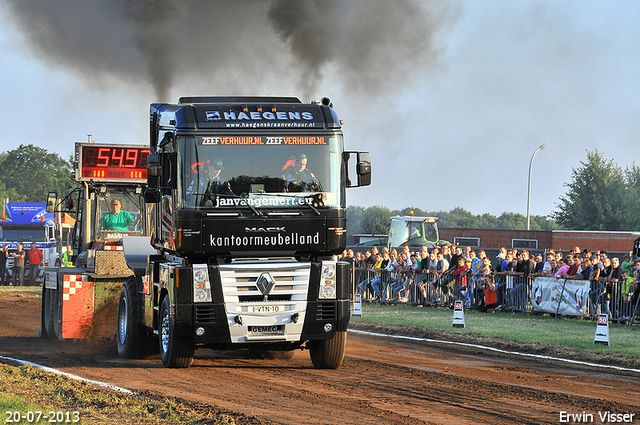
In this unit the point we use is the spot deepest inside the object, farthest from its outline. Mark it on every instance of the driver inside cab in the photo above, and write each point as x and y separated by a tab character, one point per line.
117	219
298	178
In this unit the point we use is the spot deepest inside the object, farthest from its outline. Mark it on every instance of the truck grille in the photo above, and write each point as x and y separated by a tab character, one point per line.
260	298
265	282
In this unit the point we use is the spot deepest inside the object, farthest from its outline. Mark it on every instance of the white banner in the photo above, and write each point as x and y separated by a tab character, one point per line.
567	297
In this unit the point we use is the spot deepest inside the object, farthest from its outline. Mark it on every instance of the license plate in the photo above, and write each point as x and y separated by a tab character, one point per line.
267	308
265	330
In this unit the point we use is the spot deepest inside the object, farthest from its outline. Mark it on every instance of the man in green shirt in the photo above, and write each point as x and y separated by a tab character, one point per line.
117	219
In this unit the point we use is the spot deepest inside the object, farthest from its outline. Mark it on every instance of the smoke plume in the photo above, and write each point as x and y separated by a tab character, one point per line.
238	47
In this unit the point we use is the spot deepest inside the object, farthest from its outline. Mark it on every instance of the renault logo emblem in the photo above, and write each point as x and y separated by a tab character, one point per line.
265	284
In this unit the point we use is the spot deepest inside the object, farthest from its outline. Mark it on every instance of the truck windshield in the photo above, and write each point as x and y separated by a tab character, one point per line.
259	171
402	232
119	212
22	233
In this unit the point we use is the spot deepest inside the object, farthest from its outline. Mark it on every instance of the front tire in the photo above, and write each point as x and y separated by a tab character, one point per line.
174	351
328	353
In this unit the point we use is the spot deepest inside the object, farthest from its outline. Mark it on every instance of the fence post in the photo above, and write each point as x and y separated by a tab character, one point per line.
561	295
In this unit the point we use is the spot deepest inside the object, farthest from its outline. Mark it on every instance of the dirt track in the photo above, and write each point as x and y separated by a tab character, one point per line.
382	381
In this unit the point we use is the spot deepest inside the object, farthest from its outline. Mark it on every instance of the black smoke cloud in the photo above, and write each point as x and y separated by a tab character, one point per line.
241	46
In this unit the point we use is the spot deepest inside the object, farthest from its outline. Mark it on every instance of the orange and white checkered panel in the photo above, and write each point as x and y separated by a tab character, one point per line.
71	284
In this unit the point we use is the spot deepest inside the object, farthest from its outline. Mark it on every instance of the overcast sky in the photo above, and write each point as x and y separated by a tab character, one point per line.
451	100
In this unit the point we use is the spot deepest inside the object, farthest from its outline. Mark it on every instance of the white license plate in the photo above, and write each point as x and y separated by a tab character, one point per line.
265	330
267	309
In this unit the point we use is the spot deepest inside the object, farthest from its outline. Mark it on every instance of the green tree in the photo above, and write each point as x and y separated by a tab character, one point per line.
541	222
512	221
354	219
10	194
600	196
456	218
631	203
407	211
487	221
29	172
376	219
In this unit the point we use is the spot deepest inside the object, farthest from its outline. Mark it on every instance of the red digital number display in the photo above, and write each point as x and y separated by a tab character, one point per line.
113	163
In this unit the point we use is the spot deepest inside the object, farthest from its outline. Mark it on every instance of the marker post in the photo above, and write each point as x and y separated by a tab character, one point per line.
458	314
602	330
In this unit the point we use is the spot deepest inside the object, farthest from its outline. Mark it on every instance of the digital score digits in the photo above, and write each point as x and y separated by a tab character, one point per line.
118	163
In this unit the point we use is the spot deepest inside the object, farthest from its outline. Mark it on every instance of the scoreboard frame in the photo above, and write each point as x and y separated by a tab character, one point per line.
117	163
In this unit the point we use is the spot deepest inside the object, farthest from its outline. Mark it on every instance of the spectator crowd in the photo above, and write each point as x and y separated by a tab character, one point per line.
443	275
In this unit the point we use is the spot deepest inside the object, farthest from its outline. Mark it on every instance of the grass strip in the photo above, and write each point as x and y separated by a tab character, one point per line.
26	389
564	336
21	290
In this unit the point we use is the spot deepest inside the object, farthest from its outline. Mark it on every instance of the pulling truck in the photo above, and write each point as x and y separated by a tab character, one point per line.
248	215
81	301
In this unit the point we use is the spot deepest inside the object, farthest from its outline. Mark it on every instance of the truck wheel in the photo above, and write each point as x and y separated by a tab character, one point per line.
328	353
48	313
131	344
44	313
174	351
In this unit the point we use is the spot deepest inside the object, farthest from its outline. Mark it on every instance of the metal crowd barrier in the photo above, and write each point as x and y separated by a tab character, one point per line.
513	293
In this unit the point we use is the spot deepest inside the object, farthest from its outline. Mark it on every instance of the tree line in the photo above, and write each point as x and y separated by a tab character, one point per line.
600	196
376	219
30	172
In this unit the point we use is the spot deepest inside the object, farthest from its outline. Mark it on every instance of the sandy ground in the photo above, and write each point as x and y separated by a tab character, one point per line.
382	380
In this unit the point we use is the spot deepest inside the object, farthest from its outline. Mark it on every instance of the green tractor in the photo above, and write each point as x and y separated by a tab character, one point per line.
415	232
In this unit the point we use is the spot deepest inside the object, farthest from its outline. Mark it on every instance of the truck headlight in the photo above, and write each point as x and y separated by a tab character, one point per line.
328	281
201	284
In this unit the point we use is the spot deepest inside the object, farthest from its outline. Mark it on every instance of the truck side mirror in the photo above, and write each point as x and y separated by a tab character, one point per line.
170	170
52	201
152	196
364	168
154	170
162	170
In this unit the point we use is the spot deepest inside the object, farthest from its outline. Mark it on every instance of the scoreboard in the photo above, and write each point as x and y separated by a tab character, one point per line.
111	163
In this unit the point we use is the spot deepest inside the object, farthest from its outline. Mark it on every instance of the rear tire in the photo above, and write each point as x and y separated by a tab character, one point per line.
174	351
44	313
328	353
131	343
48	313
